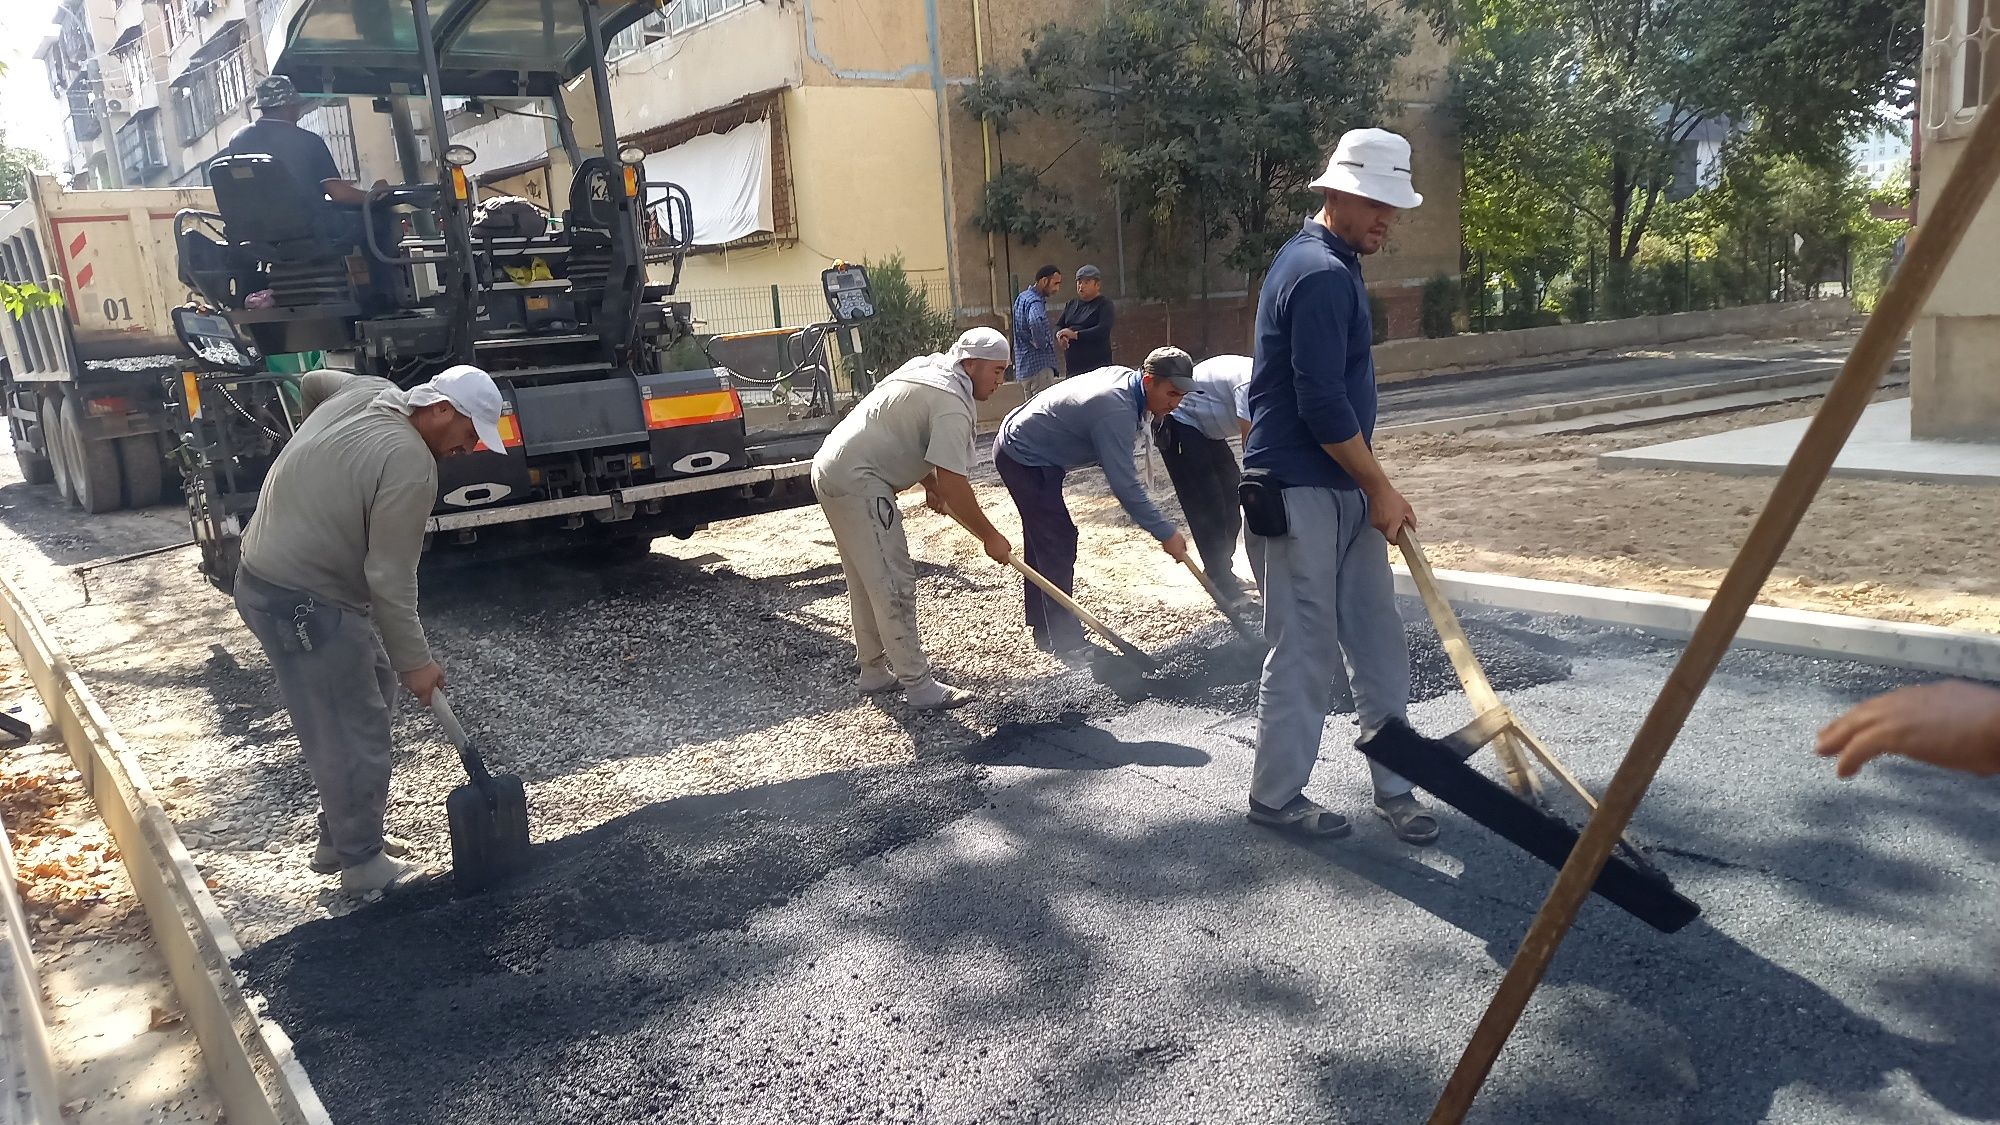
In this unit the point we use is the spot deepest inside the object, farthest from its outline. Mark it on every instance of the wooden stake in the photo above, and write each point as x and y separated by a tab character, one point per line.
1929	252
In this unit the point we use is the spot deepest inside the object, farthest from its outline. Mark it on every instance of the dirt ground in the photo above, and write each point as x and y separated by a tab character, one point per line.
1540	507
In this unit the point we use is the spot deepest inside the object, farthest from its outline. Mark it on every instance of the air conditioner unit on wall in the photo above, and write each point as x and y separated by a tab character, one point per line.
113	105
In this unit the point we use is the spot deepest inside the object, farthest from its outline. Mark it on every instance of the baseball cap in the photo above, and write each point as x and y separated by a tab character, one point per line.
472	393
1173	365
276	90
1373	164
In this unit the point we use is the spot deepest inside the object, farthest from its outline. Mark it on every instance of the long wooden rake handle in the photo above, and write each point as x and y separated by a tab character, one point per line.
1924	263
1478	690
1088	618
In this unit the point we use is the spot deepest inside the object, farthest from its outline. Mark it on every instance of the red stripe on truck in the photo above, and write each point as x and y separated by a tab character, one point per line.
84	275
76	244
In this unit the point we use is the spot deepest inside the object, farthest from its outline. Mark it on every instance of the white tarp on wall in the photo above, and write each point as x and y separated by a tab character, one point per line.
728	181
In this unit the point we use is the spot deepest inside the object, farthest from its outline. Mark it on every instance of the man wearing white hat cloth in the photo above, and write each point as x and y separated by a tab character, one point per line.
916	427
1088	419
329	561
1194	444
1320	504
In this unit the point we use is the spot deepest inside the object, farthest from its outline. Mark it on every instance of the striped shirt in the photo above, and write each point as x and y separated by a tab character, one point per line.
1034	340
1221	397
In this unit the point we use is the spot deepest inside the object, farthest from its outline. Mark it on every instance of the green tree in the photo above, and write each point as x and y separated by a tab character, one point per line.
1210	118
1578	110
16	165
905	324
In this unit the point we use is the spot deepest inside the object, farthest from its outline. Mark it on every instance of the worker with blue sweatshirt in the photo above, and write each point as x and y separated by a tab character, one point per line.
1088	419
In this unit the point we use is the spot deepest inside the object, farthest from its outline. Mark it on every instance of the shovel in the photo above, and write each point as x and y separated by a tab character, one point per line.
1236	621
488	815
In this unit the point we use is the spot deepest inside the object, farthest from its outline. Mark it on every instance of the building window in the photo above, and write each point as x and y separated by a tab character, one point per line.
683	14
141	152
232	82
1961	59
178	17
133	59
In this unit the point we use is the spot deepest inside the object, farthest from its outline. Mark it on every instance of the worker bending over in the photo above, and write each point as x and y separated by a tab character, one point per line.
1319	504
915	428
1194	443
1088	419
328	585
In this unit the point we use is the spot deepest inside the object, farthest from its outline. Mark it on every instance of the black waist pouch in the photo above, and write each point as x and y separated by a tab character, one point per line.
1263	497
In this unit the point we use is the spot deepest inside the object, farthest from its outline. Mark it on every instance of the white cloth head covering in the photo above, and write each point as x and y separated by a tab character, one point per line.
471	392
946	370
1373	164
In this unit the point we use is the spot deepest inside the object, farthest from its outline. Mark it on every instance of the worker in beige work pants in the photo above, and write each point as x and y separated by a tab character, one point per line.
916	427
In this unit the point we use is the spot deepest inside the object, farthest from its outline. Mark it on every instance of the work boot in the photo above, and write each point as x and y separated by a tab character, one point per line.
875	678
929	695
326	861
380	872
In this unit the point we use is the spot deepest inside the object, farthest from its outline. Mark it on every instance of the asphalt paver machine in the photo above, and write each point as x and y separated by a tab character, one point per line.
607	444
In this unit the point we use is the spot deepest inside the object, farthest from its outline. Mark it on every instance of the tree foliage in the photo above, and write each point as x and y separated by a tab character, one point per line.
16	165
905	324
1577	112
1210	118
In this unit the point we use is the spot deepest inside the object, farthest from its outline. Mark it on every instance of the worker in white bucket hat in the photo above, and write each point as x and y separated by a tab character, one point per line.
1318	505
328	586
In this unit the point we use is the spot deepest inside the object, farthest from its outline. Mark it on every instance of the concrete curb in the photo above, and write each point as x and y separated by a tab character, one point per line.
1894	644
27	1065
248	1058
1821	371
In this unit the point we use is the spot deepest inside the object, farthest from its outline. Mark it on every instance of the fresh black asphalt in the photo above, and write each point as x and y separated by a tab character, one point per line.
1070	921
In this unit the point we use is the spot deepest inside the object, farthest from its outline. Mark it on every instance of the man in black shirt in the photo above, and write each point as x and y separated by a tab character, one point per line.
1084	329
277	134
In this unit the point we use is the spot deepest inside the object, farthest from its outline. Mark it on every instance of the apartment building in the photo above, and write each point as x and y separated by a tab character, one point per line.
815	130
1955	345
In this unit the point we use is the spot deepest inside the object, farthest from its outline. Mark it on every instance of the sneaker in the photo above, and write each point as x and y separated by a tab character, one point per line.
929	695
1408	819
326	861
874	679
380	872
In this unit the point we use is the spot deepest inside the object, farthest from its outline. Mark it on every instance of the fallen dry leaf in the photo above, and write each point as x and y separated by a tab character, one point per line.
163	1018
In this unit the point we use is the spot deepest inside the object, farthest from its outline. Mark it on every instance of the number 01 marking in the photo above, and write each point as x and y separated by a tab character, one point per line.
117	308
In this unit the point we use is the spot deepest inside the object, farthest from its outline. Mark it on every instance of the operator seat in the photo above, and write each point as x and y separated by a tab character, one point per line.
268	215
593	209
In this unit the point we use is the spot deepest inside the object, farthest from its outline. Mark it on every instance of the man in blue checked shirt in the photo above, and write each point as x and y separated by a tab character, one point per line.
1034	340
1089	419
1194	443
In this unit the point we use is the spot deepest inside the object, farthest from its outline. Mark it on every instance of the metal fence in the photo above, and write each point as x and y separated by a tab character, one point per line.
756	307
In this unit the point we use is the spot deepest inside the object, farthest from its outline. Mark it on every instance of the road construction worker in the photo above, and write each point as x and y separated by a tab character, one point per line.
1194	444
917	427
1088	419
1954	724
328	585
1318	503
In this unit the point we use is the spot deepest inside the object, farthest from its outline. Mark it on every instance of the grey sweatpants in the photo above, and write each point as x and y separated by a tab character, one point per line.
1327	591
340	695
881	582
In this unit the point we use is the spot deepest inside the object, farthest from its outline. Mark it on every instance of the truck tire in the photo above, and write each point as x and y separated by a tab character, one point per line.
56	445
142	469
35	468
94	481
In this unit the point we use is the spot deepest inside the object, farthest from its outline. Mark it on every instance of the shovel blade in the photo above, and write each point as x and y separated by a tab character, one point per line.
1438	767
489	832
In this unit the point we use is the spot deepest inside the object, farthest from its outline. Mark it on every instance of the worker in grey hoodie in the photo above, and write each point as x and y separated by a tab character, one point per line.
1087	419
916	427
328	586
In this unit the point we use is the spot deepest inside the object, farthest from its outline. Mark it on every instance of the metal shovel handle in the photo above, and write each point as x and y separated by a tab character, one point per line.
468	754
